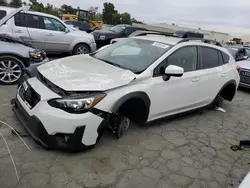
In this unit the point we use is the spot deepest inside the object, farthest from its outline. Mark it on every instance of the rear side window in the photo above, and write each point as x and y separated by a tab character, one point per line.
186	57
209	58
221	61
225	57
3	13
28	20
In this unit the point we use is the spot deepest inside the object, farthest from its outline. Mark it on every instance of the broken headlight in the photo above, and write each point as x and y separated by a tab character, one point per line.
37	55
78	103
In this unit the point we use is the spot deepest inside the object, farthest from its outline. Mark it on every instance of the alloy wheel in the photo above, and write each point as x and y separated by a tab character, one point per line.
10	71
82	50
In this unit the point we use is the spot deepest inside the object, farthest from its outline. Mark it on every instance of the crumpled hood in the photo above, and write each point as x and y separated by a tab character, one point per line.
85	73
244	64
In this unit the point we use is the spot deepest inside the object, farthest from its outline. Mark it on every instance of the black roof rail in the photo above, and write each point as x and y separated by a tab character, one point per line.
208	41
144	33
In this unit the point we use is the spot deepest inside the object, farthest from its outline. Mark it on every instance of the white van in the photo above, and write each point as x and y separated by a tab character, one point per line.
46	32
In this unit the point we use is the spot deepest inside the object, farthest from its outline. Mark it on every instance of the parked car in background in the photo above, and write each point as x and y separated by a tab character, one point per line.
239	52
81	25
138	79
46	32
103	37
15	56
136	33
244	72
106	27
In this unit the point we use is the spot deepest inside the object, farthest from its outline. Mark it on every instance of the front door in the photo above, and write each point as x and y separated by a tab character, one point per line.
179	93
57	39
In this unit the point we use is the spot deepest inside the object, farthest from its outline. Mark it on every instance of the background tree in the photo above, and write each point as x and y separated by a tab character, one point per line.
16	3
65	9
3	2
97	17
108	13
50	9
133	20
116	18
34	5
126	18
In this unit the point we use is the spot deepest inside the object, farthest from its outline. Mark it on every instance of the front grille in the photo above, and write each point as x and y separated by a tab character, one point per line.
245	76
50	85
29	95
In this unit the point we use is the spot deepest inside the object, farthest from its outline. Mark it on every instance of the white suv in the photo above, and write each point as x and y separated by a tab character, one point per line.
46	32
141	79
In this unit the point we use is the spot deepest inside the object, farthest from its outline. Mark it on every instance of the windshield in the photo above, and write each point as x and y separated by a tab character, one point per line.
132	54
117	29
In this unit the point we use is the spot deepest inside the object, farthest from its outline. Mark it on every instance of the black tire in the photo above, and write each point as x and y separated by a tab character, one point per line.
81	49
10	73
218	102
122	126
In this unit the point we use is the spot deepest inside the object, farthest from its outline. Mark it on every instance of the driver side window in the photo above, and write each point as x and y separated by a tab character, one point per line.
53	24
186	57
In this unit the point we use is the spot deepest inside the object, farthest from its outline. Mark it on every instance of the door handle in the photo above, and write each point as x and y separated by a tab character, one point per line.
223	74
19	31
196	79
50	34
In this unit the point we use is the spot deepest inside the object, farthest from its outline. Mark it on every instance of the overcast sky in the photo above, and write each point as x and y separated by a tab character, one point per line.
222	15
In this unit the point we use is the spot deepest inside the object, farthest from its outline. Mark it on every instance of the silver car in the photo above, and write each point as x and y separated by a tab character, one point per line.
15	56
46	32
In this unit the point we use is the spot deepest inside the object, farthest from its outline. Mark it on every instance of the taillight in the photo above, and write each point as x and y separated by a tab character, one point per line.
238	68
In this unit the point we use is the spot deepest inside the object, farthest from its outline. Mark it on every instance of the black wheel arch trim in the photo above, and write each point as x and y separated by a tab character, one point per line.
228	83
134	95
23	60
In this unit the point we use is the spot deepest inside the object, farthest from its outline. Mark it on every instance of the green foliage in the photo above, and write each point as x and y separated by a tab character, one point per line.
109	15
126	18
97	17
16	3
136	21
3	2
65	9
112	16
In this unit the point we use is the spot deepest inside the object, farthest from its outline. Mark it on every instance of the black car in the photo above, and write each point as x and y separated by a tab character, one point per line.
239	52
81	25
103	37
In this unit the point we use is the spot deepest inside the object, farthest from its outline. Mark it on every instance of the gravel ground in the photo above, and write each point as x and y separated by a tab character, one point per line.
186	152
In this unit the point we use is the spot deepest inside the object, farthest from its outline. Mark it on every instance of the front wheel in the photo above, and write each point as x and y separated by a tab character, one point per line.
218	102
11	70
81	49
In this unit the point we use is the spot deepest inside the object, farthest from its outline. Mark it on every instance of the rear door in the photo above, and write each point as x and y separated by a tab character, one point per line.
212	74
29	28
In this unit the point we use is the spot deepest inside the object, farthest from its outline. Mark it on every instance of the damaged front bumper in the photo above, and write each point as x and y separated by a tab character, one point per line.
61	141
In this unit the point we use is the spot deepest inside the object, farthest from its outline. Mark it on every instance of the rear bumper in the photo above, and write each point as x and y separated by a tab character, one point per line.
244	85
37	131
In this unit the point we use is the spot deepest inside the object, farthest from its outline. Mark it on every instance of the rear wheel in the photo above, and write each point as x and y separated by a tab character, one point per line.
11	70
218	102
81	49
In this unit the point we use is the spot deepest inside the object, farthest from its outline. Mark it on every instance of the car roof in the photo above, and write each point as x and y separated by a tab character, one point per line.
160	38
9	9
41	14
